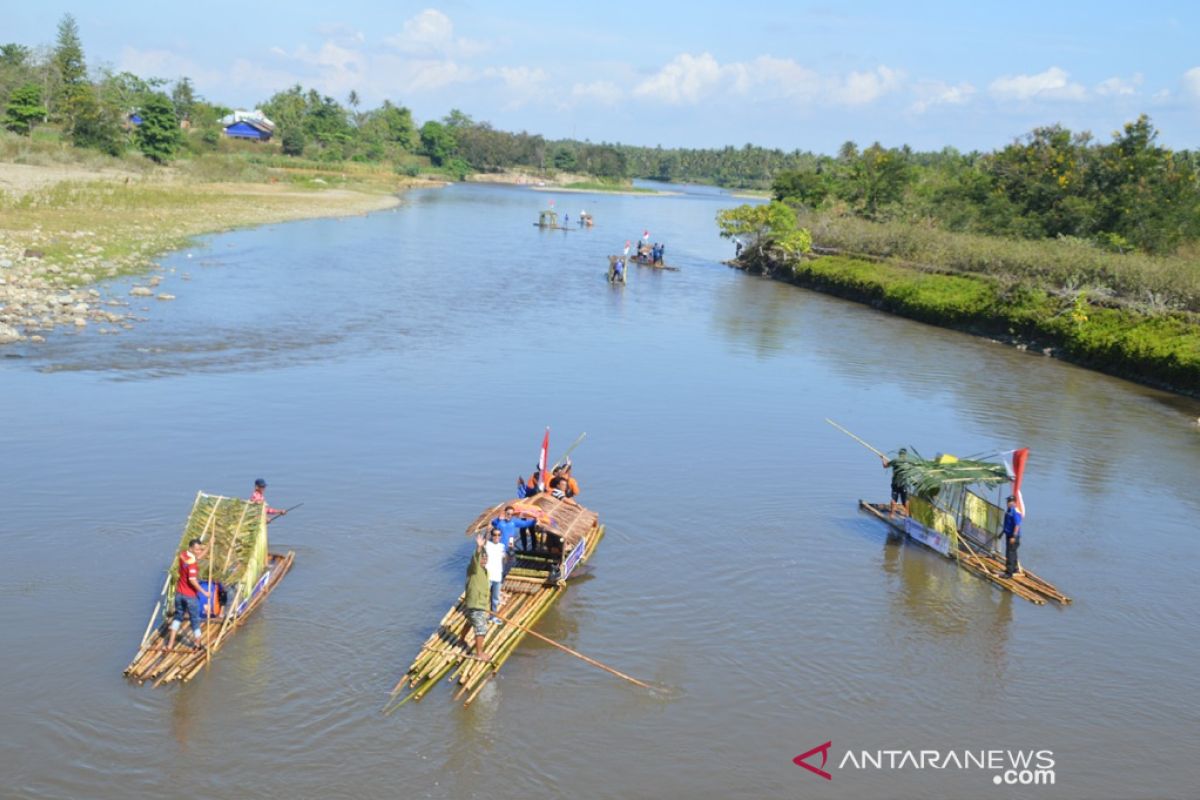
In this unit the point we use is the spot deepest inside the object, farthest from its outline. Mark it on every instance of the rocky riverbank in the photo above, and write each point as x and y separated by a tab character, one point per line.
62	236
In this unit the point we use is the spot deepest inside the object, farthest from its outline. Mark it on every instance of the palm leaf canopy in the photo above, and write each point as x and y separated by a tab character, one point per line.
925	477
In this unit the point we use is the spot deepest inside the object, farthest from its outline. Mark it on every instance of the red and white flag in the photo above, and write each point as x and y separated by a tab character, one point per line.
545	454
646	235
627	247
1014	464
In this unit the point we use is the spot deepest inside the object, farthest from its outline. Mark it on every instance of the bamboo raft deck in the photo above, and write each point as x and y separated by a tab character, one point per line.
531	588
980	562
155	662
644	261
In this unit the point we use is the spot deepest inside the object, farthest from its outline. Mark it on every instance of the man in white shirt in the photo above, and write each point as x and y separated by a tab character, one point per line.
496	554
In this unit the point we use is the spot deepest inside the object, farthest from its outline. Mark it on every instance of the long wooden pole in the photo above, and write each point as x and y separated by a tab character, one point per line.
855	438
563	458
575	653
154	614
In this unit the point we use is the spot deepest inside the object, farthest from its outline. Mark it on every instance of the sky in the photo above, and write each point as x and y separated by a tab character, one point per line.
697	74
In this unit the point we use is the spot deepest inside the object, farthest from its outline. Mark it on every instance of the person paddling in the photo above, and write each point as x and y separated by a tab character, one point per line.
258	496
899	490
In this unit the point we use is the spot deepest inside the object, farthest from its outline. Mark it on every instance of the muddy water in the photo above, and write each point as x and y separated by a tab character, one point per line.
394	372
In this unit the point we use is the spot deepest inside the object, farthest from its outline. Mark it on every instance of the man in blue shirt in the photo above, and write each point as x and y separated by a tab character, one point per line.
508	525
1012	538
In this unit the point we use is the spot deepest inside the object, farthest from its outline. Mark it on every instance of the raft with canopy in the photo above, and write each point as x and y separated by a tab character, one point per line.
548	219
950	514
238	571
567	536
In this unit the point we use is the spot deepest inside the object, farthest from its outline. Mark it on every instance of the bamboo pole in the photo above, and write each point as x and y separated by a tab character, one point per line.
855	438
576	653
162	593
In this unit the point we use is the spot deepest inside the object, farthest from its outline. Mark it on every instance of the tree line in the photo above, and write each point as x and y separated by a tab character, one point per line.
1130	193
1127	194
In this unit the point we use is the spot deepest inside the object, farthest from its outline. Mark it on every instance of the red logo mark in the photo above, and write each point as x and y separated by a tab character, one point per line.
824	751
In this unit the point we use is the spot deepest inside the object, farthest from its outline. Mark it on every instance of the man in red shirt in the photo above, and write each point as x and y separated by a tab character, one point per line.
257	497
186	590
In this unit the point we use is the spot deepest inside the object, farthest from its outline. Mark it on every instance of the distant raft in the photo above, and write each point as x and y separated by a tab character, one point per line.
548	220
646	261
238	570
569	534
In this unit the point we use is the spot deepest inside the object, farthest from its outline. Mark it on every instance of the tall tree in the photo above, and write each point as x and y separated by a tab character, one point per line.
158	136
72	70
184	98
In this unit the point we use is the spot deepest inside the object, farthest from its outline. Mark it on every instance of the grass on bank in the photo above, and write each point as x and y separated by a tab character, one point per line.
608	186
1066	265
93	230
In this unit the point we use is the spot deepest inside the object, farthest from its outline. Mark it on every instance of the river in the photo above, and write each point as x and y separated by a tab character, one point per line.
395	373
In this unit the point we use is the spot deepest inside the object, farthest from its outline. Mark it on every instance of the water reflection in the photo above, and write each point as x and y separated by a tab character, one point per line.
763	318
184	706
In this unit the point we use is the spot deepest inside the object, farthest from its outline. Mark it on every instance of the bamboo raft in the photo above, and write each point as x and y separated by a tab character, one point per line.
978	559
235	532
644	261
155	662
533	584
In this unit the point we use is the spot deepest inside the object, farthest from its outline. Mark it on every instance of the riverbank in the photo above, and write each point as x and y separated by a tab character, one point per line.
568	182
1156	349
64	230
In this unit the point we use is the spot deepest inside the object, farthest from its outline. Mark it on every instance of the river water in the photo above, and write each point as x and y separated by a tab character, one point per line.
395	372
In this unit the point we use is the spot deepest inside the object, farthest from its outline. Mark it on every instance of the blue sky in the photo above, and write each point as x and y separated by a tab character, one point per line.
788	75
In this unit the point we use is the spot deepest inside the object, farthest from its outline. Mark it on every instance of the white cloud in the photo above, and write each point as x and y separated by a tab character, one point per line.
937	93
683	81
687	79
1053	84
431	33
1191	83
769	77
861	88
1119	87
421	75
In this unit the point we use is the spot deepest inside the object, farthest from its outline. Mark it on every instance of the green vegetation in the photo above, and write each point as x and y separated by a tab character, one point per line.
608	186
770	232
1128	194
158	136
24	109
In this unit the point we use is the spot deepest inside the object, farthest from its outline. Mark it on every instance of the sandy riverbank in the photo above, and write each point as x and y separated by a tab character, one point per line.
65	229
559	182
